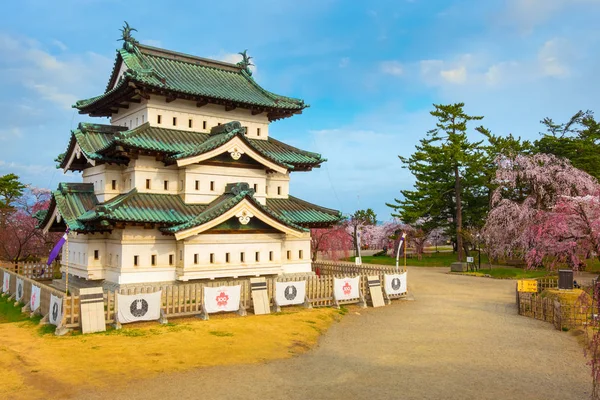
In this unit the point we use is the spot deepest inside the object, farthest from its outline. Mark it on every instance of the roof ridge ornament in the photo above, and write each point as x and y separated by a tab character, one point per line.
245	63
129	42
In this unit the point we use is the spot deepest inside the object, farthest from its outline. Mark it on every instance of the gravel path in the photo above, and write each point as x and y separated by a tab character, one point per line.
460	339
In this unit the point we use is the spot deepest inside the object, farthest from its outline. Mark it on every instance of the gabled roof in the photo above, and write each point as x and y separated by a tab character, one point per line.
76	206
89	139
234	194
106	143
70	201
168	73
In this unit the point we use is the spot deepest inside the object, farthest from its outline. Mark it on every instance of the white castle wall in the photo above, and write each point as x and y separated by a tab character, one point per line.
202	118
185	260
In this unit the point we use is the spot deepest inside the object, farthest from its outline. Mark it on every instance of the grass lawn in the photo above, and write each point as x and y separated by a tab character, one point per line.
428	260
10	313
512	273
37	364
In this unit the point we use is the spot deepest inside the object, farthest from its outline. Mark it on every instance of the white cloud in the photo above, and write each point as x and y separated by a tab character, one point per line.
551	58
480	69
456	75
60	45
392	68
60	79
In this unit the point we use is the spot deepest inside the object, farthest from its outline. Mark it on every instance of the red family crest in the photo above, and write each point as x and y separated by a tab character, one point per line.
347	288
33	298
222	299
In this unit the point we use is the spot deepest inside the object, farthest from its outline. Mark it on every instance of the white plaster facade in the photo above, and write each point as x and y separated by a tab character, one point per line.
137	255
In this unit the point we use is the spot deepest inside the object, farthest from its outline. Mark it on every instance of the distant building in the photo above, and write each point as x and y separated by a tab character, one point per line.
185	183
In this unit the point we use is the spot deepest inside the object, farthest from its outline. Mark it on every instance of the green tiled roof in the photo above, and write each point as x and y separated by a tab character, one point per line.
99	142
234	194
181	74
302	212
92	138
144	208
81	211
72	200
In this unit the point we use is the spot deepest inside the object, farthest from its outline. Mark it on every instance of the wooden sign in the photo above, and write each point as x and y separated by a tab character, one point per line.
375	291
527	285
260	297
91	301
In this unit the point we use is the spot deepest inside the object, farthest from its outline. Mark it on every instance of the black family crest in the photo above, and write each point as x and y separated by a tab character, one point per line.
396	283
138	308
55	312
290	292
20	290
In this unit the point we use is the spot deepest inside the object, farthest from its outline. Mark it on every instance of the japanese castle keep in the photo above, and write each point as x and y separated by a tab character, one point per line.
186	182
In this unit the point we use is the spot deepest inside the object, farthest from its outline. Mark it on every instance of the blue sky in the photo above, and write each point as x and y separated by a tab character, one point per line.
370	71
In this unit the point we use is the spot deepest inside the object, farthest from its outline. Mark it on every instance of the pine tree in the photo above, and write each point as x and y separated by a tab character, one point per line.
450	172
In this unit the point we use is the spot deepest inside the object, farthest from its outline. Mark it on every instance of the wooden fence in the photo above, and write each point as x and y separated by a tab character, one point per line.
186	299
351	269
561	314
33	270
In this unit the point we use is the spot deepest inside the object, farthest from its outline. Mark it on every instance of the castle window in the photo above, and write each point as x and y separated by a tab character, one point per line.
159	119
189	123
135	260
147	183
226	257
257	131
279	190
166	184
153	259
289	254
242	257
96	254
203	124
255	188
266	189
114	185
197	185
131	123
171	259
300	254
212	186
174	121
270	256
137	122
142	119
196	258
257	256
218	123
117	258
180	254
212	258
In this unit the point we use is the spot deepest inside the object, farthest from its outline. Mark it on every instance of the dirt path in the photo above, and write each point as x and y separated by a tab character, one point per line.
460	339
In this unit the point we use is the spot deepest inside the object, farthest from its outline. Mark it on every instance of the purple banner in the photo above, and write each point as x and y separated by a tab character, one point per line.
56	250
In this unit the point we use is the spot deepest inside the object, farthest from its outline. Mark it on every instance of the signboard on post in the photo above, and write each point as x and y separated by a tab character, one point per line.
224	298
139	307
290	293
527	285
470	260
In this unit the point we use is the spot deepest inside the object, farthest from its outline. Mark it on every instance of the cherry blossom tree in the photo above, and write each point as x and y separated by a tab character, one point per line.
332	243
544	211
19	237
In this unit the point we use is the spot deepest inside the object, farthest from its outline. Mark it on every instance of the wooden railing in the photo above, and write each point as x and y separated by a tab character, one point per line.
350	269
186	299
33	270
